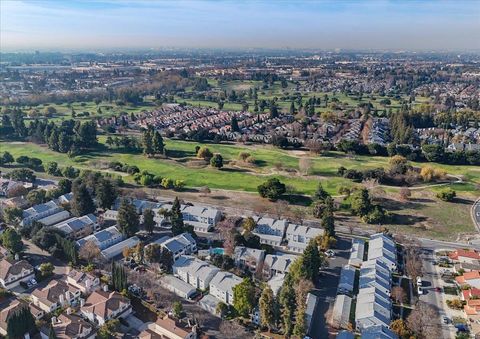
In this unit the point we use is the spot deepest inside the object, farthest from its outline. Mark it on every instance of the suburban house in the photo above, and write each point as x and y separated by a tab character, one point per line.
465	256
378	332
270	231
168	328
104	238
375	273
347	279
55	295
78	227
471	297
222	284
17	202
65	198
54	218
248	258
382	247
178	286
373	308
277	264
68	325
311	305
195	272
85	282
357	252
203	219
103	305
38	212
12	272
471	279
117	249
341	311
180	245
299	236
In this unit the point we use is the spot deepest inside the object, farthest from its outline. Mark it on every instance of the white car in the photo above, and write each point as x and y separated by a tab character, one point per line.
419	281
329	253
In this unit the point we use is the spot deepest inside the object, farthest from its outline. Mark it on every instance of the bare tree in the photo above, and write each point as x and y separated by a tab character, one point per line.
413	262
89	251
399	294
405	193
421	321
305	165
227	235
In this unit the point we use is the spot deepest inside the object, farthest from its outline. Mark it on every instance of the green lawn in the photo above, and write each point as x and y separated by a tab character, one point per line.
271	162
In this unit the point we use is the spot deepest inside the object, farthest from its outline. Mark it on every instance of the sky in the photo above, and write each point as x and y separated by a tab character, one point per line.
344	24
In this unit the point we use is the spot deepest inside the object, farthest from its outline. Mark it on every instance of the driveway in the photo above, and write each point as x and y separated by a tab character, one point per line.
326	290
38	256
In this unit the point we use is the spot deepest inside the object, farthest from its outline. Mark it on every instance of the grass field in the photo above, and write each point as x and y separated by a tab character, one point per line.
271	162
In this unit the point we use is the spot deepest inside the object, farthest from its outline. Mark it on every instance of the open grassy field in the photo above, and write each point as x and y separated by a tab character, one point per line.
270	162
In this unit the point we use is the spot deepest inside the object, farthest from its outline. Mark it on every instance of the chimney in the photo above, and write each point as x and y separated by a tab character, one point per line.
82	302
105	288
61	299
17	257
54	320
87	283
69	311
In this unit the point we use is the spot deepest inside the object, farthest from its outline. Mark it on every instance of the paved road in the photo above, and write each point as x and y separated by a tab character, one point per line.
327	288
38	256
432	279
475	212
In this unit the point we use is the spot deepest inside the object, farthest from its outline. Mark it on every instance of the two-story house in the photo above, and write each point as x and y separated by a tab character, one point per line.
195	272
222	284
85	282
299	236
203	219
78	227
270	231
68	325
182	244
38	212
248	258
103	305
104	238
168	328
12	272
55	295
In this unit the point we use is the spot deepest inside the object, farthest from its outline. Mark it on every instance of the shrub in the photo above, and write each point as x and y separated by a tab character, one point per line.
447	195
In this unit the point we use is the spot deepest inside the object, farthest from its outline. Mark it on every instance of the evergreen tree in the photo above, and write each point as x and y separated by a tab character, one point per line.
216	161
51	333
148	222
157	143
234	124
82	202
176	218
12	241
53	140
268	308
127	218
147	141
311	261
119	277
292	108
320	193
287	305
244	297
105	194
19	323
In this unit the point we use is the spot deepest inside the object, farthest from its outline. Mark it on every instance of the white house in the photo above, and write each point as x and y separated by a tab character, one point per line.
12	272
39	211
117	249
54	218
195	272
341	311
179	245
178	286
103	305
357	252
382	247
249	258
222	284
375	273
203	219
104	238
373	308
278	264
347	279
299	236
270	231
78	227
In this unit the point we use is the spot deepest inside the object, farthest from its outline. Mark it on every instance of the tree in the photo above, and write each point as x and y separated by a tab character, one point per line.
398	164
82	202
12	241
119	277
272	189
51	333
234	124
127	218
105	193
248	225
268	308
244	297
360	202
36	197
204	153
177	309
19	323
6	158
157	143
148	221
420	320
52	168
216	161
398	294
310	262
405	193
447	195
46	269
65	185
399	326
320	193
109	329
288	305
147	141
89	251
302	288
176	218
221	309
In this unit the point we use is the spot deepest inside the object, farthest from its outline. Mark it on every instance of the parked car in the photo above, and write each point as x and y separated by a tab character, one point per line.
462	327
419	281
329	253
445	319
419	290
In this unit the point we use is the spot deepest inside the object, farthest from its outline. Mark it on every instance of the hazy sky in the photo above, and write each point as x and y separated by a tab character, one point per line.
66	24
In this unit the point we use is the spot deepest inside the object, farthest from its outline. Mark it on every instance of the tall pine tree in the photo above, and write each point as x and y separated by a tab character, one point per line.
176	218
